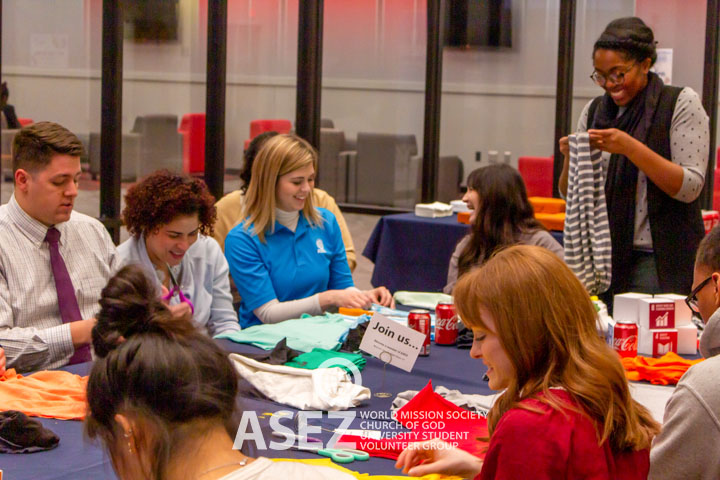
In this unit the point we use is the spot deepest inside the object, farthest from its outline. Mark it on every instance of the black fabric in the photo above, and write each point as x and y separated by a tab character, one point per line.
11	117
676	227
21	434
279	355
465	338
354	338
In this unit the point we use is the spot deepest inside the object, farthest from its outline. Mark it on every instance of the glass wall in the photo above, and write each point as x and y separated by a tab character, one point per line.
373	91
261	70
51	63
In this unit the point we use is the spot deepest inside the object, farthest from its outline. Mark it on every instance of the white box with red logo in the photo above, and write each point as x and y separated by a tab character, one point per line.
657	342
683	315
656	313
627	306
710	219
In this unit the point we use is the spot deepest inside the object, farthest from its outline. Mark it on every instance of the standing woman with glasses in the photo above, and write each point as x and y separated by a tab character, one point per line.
655	142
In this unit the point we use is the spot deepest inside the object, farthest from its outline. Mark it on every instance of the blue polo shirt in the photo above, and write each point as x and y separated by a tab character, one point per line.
288	266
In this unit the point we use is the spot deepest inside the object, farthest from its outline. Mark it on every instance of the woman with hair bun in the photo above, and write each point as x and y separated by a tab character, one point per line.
566	410
162	396
655	144
170	218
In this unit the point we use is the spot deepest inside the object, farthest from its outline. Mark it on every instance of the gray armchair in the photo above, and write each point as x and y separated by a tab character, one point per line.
160	143
130	159
384	170
332	164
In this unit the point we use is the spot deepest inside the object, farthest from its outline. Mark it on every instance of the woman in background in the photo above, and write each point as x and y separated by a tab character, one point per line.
566	410
287	256
501	215
170	218
162	396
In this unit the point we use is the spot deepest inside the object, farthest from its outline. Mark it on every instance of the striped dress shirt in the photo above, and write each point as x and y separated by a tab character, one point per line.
31	330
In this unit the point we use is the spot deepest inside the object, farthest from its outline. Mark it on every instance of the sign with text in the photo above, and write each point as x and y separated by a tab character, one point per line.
392	342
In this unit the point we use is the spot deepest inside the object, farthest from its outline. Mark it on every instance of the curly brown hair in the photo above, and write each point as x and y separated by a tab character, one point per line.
162	196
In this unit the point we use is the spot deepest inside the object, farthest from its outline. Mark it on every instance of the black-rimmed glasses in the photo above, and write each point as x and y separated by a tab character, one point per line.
691	300
617	78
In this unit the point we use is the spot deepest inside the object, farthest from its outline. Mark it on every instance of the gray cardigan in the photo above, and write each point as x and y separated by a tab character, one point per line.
540	238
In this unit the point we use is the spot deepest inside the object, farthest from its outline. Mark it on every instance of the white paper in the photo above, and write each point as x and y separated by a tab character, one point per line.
663	65
391	342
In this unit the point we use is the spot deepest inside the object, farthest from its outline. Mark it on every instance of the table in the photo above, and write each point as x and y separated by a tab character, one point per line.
413	253
77	458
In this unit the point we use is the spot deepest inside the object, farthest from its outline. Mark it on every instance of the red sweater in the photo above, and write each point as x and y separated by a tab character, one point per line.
556	445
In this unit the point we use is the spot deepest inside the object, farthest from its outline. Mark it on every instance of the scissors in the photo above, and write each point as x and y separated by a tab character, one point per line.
176	289
337	455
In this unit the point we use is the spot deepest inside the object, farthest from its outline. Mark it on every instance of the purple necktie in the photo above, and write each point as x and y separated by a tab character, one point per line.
69	310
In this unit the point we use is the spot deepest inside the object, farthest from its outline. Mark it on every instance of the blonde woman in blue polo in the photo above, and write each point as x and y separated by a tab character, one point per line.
287	257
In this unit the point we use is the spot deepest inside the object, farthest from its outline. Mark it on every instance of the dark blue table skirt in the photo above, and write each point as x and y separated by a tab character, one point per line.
76	458
413	253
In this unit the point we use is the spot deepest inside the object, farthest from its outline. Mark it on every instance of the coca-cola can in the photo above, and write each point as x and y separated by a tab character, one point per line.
625	339
446	330
419	320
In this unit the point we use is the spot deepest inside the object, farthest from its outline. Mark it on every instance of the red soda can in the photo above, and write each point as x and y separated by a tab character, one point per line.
419	320
446	330
625	339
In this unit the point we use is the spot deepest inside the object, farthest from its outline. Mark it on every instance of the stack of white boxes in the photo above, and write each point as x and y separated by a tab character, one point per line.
663	322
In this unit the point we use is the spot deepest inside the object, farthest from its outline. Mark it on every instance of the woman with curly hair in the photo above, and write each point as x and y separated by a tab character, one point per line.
566	410
501	215
170	218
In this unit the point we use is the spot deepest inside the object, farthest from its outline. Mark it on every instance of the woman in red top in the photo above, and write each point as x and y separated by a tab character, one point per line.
566	412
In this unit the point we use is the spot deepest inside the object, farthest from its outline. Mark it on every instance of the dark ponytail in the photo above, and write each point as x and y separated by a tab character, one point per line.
630	36
153	367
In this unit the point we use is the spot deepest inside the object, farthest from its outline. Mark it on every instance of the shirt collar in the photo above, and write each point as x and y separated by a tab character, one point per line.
33	229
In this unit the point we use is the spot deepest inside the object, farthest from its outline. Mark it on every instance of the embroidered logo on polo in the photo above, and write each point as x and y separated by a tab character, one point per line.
320	246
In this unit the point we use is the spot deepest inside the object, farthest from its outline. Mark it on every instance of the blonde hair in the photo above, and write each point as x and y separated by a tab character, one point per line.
545	321
278	156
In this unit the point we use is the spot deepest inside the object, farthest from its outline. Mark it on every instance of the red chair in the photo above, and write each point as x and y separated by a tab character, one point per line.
259	126
538	175
192	128
24	122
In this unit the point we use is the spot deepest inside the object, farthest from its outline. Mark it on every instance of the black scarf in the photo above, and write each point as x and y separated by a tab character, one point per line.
622	174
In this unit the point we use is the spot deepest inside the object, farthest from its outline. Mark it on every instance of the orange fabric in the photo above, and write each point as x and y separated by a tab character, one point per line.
464	217
49	394
552	221
665	370
547	204
354	312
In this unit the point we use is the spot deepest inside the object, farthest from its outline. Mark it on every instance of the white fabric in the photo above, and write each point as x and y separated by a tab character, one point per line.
319	389
588	249
265	469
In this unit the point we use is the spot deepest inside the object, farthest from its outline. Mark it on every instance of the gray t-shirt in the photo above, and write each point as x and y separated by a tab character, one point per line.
540	238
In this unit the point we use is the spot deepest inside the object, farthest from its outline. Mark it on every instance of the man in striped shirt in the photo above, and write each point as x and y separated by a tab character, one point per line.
33	331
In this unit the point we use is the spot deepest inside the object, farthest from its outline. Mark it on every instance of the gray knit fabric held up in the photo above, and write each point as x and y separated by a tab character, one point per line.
588	250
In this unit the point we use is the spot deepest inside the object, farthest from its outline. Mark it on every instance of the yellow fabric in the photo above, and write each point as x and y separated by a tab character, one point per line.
326	462
230	206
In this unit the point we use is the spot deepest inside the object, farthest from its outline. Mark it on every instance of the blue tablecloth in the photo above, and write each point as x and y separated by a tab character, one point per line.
76	458
413	253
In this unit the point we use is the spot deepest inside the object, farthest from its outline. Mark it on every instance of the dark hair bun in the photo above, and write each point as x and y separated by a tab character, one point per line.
629	35
130	306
